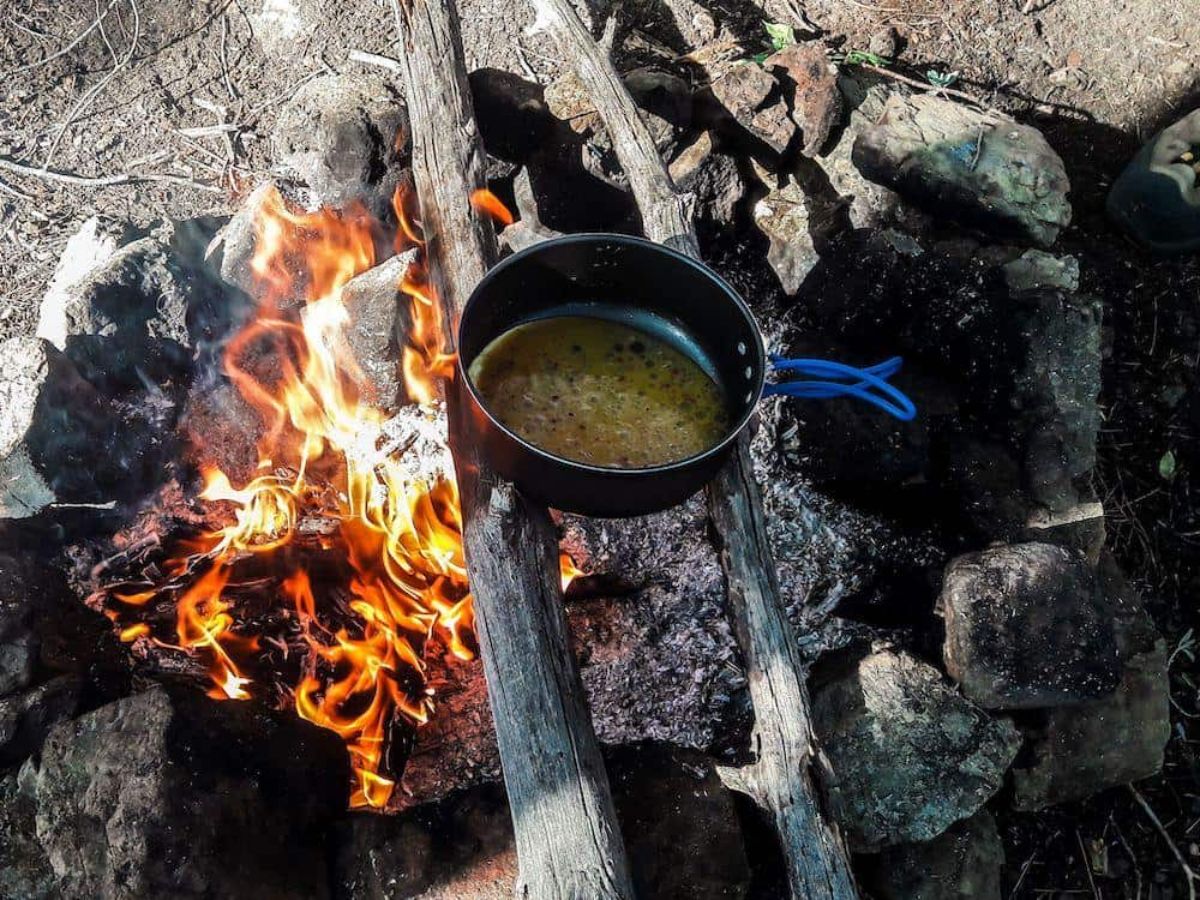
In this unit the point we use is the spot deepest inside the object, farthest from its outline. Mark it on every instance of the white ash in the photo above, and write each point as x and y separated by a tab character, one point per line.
417	435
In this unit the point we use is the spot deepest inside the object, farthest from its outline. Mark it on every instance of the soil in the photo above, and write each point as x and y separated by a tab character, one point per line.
1096	78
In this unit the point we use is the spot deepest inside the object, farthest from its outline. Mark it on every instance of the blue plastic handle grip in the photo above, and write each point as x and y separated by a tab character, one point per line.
822	379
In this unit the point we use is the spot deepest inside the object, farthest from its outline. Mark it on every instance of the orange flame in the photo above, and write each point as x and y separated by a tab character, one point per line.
404	580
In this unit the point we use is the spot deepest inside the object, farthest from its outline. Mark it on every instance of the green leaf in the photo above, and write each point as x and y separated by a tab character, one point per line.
1166	466
781	35
861	57
761	58
941	79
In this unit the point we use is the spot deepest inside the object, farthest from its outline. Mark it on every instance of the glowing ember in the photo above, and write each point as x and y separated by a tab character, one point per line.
398	577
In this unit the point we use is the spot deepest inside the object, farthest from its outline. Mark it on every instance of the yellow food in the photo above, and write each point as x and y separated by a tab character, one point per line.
600	392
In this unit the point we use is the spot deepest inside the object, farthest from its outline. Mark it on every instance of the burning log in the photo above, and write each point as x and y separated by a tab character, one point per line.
567	839
779	780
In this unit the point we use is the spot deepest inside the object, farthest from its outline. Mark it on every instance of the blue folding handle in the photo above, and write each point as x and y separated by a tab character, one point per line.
820	379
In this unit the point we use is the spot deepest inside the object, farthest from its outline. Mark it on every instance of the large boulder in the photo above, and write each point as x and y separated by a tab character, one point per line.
908	756
1028	626
1077	751
986	171
171	794
964	862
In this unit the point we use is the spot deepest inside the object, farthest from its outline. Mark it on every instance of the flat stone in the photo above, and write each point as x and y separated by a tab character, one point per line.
908	756
1077	751
1028	626
816	102
984	171
169	793
965	861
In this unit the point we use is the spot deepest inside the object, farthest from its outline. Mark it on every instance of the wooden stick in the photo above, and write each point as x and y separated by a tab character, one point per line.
780	780
568	843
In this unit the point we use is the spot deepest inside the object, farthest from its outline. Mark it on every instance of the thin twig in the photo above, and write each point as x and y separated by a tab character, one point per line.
1087	864
9	189
102	180
98	87
1161	829
928	88
374	59
233	95
65	50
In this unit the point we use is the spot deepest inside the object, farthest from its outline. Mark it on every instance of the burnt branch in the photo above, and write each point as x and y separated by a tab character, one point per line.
567	839
780	780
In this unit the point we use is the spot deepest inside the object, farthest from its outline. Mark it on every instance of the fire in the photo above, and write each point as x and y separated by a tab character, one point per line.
398	585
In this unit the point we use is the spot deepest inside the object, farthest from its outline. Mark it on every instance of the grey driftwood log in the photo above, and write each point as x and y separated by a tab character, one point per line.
568	844
780	779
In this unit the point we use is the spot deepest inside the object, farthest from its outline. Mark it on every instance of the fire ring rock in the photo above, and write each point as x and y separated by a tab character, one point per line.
987	172
1027	626
908	756
347	138
170	794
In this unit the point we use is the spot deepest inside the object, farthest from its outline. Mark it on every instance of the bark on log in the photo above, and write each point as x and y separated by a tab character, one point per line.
780	780
568	843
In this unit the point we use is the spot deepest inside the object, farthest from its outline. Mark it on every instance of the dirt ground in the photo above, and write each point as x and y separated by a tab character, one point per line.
189	90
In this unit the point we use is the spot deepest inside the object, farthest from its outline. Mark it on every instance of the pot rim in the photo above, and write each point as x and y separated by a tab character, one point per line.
732	434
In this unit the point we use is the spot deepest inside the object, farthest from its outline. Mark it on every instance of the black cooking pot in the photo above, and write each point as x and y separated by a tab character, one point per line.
641	284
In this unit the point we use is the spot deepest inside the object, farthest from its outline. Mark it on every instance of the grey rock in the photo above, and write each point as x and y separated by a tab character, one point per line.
138	292
83	428
754	99
1036	270
27	717
664	101
1055	411
37	386
1156	199
237	242
1077	751
18	654
25	872
811	89
869	205
908	756
93	245
376	317
787	217
345	138
172	794
712	178
985	171
965	861
1028	626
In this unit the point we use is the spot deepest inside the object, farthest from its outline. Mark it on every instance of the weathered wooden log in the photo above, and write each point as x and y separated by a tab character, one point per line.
780	780
568	844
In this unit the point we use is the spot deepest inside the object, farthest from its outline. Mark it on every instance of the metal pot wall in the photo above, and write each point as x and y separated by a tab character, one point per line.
644	285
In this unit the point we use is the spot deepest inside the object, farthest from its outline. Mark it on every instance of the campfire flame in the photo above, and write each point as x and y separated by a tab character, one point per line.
399	537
